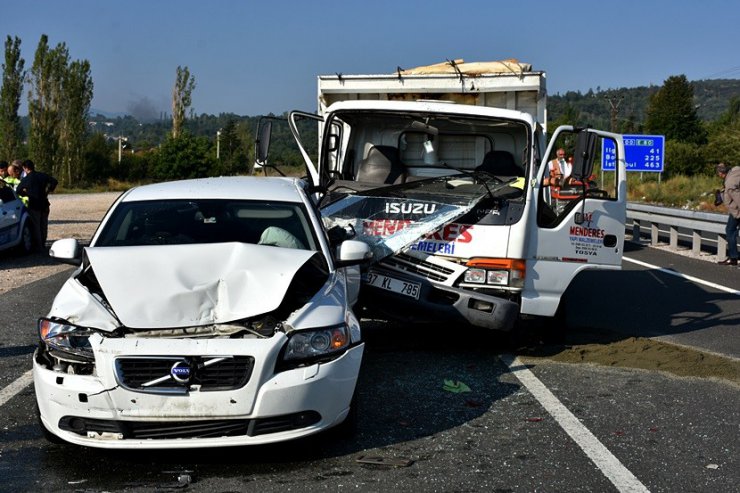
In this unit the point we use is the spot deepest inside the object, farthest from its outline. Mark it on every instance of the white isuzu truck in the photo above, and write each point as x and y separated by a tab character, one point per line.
446	171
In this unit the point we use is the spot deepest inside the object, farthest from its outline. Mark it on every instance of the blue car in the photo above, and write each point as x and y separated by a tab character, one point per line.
15	228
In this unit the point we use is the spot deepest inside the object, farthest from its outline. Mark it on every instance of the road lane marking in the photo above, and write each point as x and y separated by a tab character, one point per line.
19	384
620	476
684	276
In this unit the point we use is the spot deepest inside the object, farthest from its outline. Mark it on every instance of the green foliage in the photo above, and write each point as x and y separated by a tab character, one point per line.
233	156
96	166
11	131
181	98
683	158
724	137
672	113
689	192
183	157
77	88
44	104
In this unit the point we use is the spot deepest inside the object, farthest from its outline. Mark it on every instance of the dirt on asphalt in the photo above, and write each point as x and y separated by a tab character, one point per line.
78	215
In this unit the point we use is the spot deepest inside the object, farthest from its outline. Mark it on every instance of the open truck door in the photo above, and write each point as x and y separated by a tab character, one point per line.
580	216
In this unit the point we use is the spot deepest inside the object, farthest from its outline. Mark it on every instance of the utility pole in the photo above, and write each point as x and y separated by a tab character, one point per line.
614	103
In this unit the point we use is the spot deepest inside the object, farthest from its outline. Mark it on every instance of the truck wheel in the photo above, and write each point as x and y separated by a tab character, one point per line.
555	328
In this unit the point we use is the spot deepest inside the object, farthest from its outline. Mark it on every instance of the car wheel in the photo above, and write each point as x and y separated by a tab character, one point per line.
49	436
26	243
347	428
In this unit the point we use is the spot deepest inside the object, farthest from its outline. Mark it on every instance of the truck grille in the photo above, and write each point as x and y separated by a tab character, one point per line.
154	374
407	263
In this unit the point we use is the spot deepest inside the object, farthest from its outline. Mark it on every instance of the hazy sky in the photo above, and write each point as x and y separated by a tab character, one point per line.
252	57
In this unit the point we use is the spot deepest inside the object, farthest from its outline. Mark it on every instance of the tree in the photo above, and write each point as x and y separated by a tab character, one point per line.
77	87
671	112
11	132
44	103
181	99
183	157
233	153
724	138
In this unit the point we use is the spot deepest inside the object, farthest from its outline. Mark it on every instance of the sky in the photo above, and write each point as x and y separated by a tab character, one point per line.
259	57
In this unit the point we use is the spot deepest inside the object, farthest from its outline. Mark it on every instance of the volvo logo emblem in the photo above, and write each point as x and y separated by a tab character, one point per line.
181	372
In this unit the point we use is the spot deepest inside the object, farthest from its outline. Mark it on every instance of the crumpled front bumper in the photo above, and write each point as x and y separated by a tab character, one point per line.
98	411
438	303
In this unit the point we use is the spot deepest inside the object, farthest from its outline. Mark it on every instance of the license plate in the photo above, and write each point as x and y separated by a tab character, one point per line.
411	289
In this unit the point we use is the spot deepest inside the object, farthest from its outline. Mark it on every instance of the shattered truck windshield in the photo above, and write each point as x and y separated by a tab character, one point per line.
396	176
391	218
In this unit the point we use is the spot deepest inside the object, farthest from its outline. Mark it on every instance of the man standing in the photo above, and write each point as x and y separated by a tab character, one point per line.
560	169
731	198
37	186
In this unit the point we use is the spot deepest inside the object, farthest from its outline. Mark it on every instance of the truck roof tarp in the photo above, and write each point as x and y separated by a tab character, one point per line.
511	65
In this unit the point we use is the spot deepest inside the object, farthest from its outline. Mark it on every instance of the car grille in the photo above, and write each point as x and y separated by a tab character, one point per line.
190	429
407	263
148	374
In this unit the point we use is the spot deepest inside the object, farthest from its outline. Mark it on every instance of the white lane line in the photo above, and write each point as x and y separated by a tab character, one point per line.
19	384
689	278
609	465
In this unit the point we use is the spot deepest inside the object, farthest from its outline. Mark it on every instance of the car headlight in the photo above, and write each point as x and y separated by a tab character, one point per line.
316	343
69	339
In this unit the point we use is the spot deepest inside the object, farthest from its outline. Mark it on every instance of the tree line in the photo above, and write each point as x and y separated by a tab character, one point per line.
82	150
700	120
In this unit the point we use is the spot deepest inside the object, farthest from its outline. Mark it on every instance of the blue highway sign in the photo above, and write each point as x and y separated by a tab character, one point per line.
642	153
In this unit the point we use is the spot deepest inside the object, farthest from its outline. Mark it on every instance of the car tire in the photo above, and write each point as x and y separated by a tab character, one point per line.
49	436
347	428
26	244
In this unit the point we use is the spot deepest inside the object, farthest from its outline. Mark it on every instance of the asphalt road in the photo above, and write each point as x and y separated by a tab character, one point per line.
668	433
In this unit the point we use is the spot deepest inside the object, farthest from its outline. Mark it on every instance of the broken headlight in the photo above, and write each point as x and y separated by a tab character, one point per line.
66	341
316	343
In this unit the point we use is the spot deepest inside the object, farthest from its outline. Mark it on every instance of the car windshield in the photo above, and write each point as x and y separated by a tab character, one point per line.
175	222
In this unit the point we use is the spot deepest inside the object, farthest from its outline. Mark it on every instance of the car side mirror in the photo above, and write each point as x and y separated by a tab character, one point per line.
353	252
67	251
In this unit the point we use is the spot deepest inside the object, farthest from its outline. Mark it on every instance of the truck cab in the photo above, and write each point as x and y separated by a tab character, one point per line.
466	218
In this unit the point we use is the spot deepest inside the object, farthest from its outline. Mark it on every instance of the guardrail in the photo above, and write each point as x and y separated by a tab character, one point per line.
705	227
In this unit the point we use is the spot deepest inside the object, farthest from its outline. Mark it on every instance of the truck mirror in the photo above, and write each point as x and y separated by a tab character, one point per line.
262	142
583	158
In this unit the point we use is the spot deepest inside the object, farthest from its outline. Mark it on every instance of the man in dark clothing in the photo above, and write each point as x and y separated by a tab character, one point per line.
37	186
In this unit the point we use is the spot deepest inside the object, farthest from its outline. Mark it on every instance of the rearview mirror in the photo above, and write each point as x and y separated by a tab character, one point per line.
583	158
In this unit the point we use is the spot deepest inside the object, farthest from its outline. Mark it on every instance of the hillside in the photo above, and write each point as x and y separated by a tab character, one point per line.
593	108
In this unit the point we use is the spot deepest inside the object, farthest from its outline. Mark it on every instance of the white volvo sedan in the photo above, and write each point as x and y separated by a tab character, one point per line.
204	313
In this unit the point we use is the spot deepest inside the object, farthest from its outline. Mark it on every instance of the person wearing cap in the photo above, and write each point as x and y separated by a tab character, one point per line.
731	198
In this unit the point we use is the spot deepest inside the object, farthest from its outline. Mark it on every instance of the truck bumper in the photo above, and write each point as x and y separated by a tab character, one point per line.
438	303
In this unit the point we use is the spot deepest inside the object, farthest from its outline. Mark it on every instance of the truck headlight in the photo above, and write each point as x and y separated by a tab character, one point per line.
71	340
316	343
496	272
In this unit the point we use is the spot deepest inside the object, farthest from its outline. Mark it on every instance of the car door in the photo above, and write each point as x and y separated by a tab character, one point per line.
10	215
577	227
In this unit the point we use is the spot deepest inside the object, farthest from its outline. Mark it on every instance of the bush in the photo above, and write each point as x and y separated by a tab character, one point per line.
683	158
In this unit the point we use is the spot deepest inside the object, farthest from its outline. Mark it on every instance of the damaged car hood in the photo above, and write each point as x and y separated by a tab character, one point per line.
186	285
